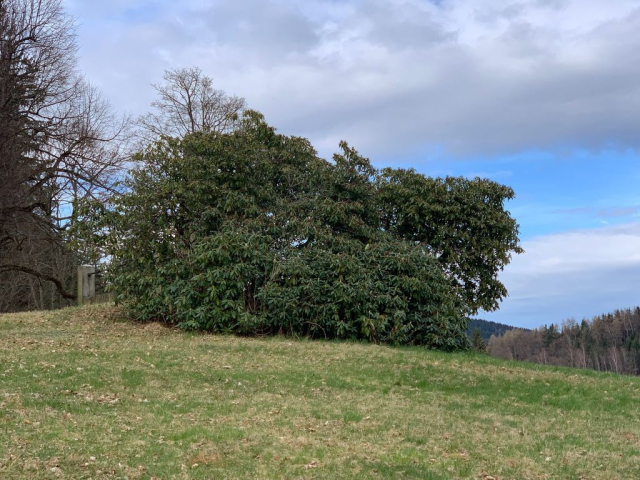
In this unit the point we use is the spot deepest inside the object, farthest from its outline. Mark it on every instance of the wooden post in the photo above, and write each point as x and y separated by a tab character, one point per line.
86	283
79	295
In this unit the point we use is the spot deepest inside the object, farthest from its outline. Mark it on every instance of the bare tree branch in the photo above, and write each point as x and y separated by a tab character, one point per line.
36	273
59	142
188	103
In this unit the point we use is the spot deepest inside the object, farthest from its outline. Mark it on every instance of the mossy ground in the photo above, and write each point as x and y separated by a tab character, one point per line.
86	394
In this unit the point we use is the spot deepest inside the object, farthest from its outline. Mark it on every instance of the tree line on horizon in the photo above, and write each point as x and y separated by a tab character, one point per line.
487	328
608	342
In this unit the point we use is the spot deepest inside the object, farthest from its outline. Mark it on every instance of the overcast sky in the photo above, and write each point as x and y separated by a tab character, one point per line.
542	95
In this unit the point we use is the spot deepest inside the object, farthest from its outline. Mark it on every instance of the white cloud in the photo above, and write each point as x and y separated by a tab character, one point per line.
574	274
472	76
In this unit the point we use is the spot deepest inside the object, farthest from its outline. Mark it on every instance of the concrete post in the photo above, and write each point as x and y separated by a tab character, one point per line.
86	282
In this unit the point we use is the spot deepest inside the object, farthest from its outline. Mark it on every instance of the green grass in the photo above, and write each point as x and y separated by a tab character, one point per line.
86	394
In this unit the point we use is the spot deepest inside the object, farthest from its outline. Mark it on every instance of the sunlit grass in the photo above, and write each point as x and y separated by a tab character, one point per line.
86	394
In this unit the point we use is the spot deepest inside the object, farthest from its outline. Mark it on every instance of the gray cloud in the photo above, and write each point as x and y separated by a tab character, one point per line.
494	15
575	274
413	26
466	76
275	29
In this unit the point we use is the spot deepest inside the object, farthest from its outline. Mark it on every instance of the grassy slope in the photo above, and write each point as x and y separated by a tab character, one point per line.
86	395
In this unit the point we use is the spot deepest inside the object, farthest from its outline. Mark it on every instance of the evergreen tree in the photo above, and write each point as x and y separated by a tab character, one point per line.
477	342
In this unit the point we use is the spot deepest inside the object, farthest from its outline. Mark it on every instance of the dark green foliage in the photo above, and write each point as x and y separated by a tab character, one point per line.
549	334
487	328
477	342
250	232
462	222
385	292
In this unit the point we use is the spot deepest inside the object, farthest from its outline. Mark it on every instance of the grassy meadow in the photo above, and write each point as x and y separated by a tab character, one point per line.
86	394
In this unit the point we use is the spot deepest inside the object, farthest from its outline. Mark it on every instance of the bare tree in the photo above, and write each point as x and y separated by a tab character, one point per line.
188	103
59	142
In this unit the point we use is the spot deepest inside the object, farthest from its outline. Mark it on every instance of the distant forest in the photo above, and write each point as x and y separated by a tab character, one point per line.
487	328
609	342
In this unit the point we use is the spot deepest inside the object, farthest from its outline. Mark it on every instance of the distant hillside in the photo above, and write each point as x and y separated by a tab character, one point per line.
487	328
